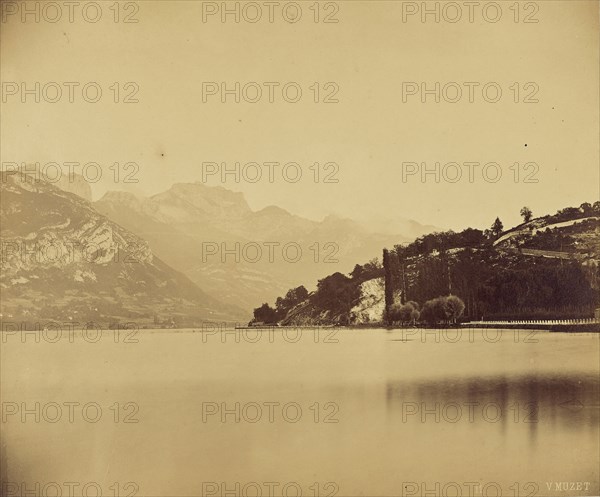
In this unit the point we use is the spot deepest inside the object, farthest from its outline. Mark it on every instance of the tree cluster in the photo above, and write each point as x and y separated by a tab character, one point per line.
337	293
404	314
442	310
267	315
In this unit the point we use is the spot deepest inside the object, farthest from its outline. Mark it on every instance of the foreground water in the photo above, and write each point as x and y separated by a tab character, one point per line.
346	413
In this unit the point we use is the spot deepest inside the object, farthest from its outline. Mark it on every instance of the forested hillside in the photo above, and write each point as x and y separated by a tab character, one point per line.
545	268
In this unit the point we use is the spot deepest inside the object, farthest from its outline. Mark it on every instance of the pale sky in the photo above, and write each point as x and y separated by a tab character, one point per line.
368	54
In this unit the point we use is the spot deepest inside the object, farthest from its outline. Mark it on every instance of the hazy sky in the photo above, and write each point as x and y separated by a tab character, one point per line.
368	54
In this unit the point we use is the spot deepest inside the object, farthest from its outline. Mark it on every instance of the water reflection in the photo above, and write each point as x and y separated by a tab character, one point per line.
561	401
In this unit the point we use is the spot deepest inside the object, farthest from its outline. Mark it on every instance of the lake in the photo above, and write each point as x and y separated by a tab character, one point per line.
309	412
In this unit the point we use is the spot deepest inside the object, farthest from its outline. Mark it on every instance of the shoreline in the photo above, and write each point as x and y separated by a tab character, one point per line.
551	327
215	327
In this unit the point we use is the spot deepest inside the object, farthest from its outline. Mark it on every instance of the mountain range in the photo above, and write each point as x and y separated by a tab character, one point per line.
188	254
240	255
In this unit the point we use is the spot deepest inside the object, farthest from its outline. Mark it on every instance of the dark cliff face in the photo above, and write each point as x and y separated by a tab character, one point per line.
63	260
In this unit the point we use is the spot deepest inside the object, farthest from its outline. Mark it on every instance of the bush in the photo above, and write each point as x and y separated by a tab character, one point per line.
455	306
265	314
404	313
444	310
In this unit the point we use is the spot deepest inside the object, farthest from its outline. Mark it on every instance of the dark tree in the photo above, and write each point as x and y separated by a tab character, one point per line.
336	292
497	228
292	298
526	214
265	314
389	289
455	307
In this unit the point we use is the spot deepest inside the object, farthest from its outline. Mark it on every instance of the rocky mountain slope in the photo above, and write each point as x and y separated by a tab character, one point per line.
365	305
54	173
63	260
74	183
243	256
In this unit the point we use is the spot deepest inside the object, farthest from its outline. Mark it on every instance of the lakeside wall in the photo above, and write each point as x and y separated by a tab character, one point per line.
591	325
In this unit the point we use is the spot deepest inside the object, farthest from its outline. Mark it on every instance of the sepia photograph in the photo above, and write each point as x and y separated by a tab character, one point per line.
299	248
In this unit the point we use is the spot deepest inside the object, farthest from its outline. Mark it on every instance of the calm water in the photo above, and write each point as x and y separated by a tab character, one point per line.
361	413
